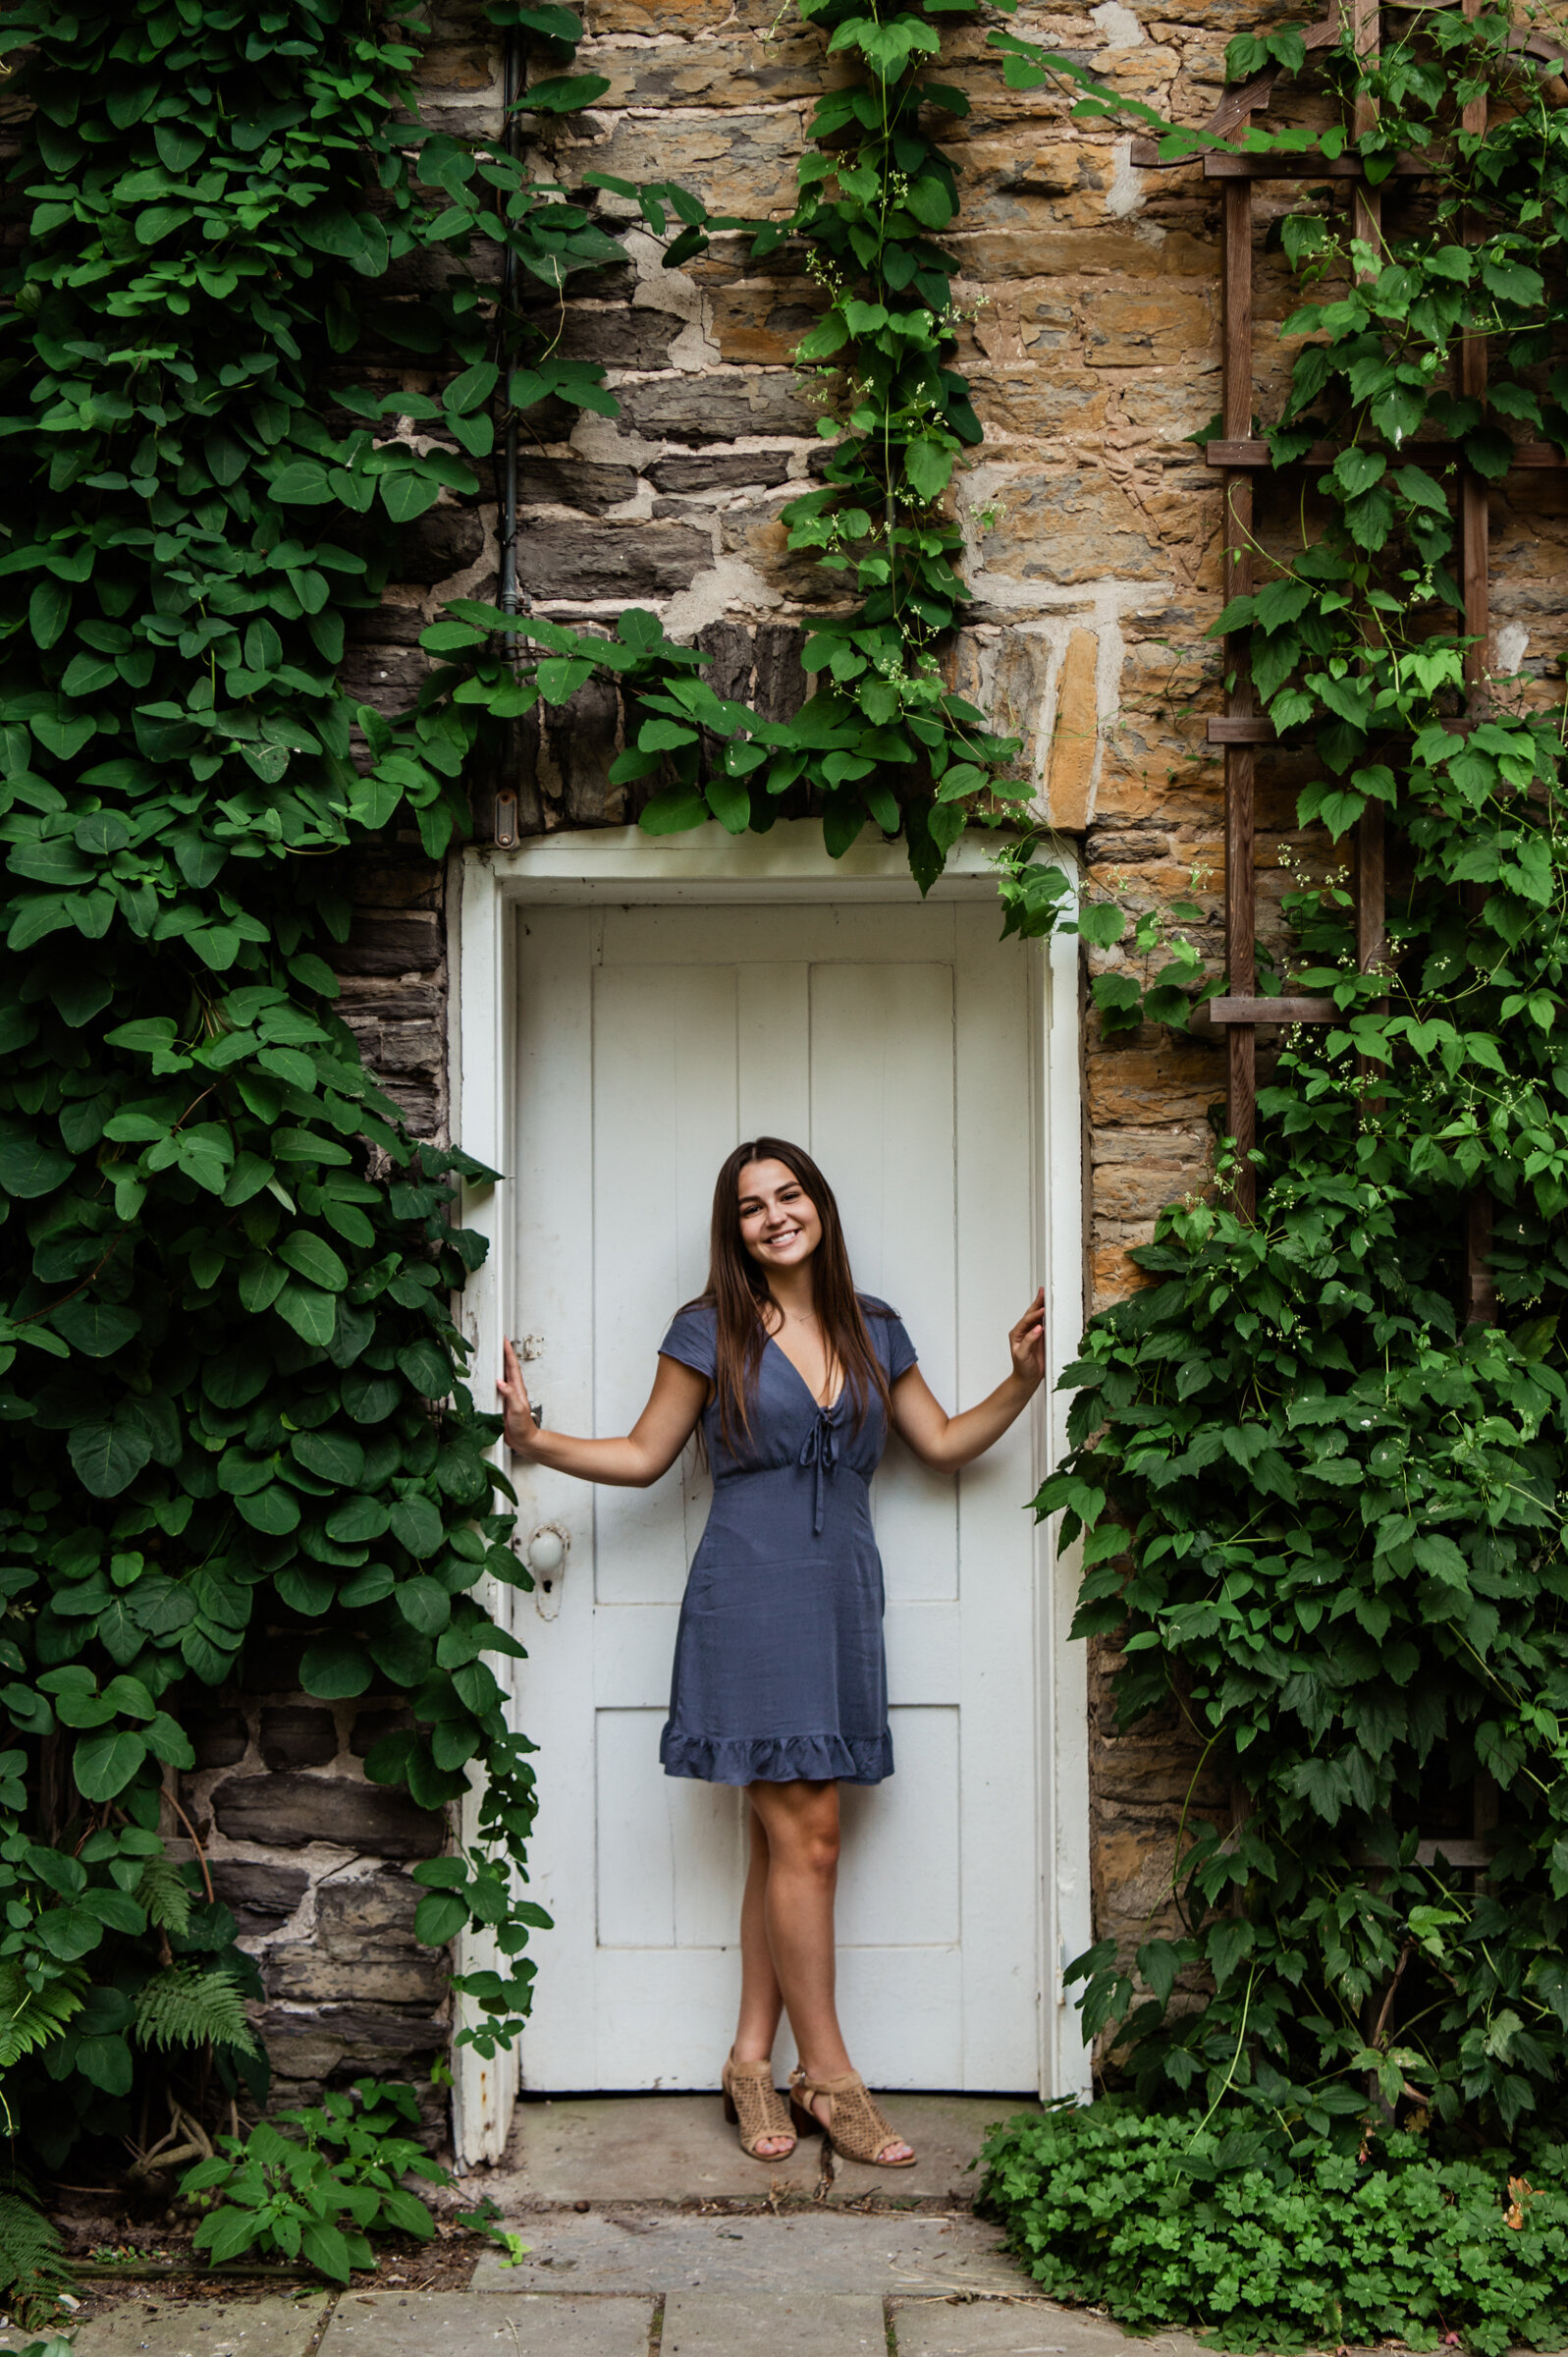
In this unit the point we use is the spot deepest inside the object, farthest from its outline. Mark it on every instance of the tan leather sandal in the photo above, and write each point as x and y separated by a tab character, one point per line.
854	2126
754	2105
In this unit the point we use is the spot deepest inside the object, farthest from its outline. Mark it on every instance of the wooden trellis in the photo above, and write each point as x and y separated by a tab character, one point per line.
1239	455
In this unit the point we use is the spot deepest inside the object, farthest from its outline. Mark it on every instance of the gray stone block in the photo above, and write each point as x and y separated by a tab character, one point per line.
364	1949
296	1734
442	541
287	1811
259	1894
218	1738
302	1974
789	2324
611	560
391	2324
741	470
728	408
574	483
387	678
620	338
361	1917
370	1726
385	942
340	2042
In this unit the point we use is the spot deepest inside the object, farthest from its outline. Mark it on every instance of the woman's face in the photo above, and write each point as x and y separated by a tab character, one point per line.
778	1223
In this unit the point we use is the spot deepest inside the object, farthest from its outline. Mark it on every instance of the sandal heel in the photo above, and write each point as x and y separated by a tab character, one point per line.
753	2108
804	2123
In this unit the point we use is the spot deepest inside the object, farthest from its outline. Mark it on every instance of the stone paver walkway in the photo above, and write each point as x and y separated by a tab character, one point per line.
631	2273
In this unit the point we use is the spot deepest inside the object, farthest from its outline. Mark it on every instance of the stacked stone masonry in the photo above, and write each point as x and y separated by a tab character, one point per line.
1091	323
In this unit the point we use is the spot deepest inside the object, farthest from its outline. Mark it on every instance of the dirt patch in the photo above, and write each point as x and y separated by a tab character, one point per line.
164	2265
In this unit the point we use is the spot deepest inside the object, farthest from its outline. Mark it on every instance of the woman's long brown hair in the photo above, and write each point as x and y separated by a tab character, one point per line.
738	1290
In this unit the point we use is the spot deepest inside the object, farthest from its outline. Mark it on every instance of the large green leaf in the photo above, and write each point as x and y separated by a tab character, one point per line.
313	1259
333	1456
236	1377
416	1523
98	1329
28	1165
439	1917
424	1604
312	1313
108	1451
333	1669
426	1368
103	1764
274	1510
360	1519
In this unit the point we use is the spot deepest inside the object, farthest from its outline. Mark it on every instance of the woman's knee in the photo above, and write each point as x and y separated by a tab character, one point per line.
805	1836
819	1852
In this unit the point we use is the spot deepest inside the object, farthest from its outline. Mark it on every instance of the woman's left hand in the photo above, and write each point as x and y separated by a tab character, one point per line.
1027	1342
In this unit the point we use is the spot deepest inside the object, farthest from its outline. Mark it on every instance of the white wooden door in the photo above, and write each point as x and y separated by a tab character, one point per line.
895	1042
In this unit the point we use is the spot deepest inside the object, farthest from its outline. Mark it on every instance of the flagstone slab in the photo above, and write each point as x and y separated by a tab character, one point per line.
269	2325
676	2148
453	2324
799	2323
927	2328
630	2248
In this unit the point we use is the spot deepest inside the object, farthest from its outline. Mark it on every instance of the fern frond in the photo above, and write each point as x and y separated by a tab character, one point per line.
33	2260
165	1894
188	2006
30	2017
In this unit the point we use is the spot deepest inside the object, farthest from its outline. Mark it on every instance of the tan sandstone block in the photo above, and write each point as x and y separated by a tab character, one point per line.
1043	403
1075	524
1013	254
1112	1276
1075	740
1139	331
764	319
756	536
736	164
674	15
742	66
1141	1191
1175	1079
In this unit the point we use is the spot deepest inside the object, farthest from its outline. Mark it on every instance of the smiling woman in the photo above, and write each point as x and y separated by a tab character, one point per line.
780	1684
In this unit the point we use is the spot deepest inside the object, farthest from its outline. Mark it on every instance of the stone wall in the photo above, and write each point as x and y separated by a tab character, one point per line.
312	1859
1091	300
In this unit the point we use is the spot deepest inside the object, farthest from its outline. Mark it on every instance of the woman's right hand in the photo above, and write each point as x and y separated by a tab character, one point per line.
520	1430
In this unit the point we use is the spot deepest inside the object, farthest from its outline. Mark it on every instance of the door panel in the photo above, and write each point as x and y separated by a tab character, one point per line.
895	1042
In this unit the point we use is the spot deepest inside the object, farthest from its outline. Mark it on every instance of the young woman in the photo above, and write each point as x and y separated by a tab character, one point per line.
780	1681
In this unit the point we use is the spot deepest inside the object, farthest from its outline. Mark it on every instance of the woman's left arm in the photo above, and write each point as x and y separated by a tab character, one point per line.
948	1441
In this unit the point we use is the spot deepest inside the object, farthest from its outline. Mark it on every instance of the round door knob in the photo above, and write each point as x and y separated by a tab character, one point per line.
546	1551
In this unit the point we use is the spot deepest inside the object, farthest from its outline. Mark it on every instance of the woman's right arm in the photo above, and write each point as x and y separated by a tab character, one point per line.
636	1461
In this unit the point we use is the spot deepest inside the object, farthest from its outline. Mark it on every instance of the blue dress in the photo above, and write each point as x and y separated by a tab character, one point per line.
780	1670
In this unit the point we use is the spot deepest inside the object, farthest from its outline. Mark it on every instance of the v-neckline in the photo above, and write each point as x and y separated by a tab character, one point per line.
775	1344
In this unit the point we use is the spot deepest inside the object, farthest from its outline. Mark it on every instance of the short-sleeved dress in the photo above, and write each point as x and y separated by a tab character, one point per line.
780	1670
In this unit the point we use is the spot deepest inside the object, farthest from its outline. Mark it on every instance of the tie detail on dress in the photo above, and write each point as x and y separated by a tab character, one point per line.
820	1450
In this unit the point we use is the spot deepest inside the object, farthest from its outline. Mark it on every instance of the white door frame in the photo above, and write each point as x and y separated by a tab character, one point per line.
623	865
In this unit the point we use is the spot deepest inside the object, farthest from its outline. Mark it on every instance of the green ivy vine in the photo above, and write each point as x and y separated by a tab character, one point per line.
1323	1516
237	1402
238	1397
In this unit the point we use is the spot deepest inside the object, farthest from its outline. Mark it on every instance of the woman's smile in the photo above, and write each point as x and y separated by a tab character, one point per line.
778	1219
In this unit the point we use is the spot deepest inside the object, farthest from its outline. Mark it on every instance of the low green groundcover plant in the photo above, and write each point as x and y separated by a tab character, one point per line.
1174	2220
318	2195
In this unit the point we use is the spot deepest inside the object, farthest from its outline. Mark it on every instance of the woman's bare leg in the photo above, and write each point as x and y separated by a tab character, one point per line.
761	1999
800	1822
